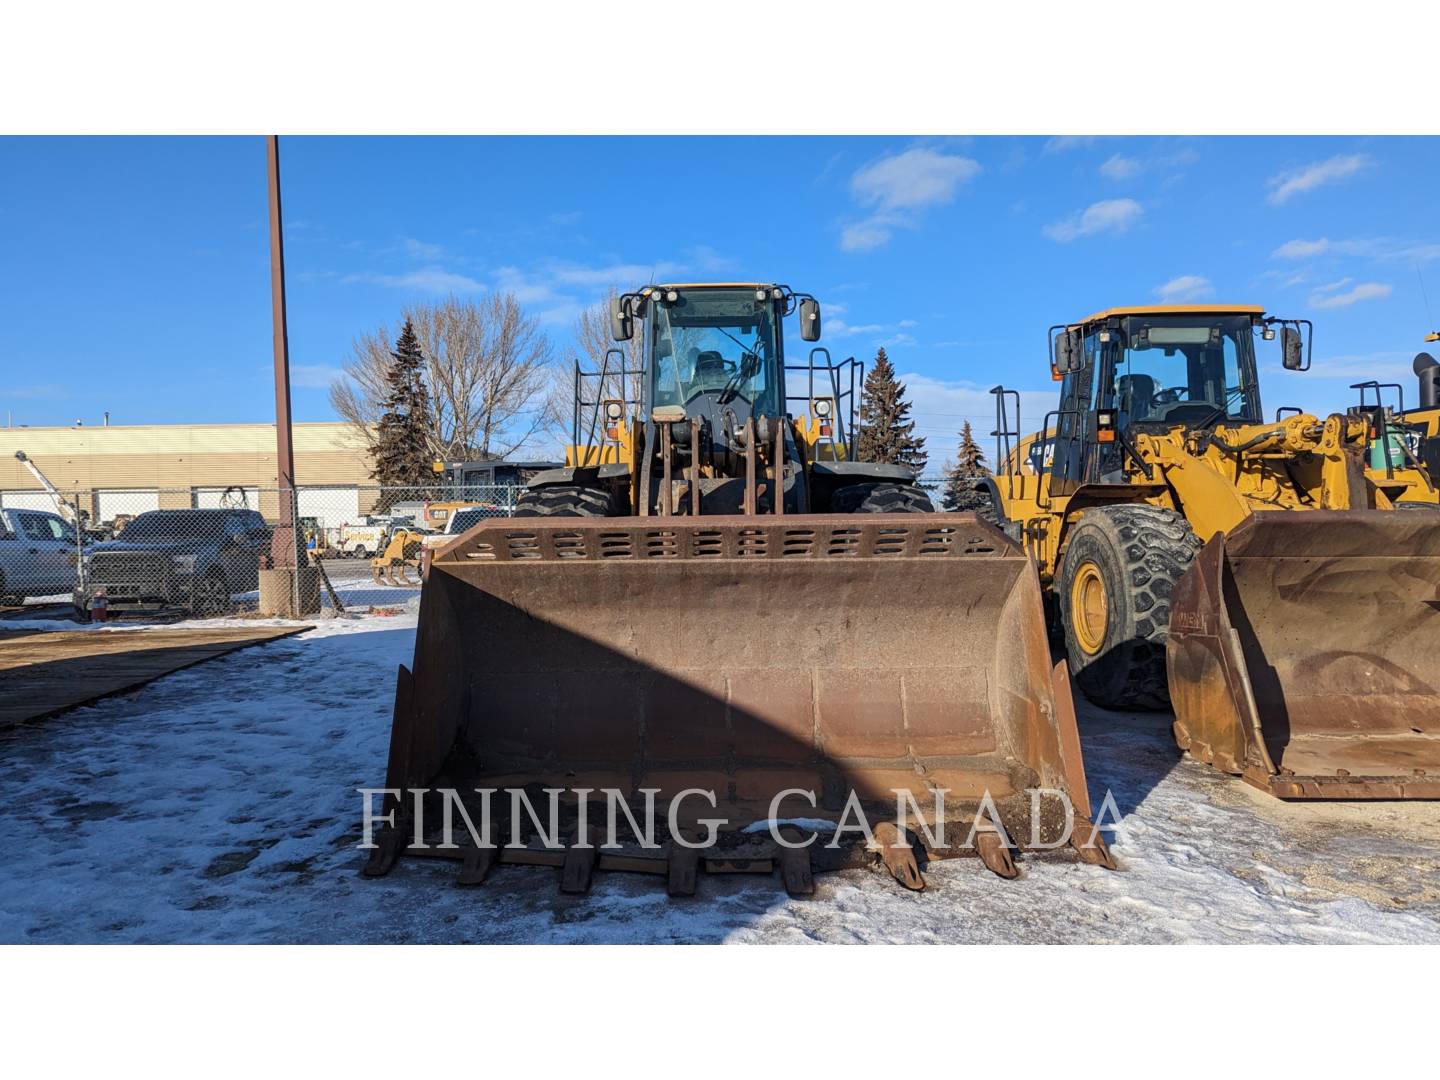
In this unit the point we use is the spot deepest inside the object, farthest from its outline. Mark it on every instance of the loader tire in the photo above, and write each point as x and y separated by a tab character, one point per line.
880	499
1119	569
564	500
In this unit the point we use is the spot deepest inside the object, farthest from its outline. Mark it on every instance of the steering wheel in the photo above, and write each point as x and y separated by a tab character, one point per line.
1170	395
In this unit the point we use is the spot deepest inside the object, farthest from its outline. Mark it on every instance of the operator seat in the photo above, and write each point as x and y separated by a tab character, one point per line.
711	370
1137	397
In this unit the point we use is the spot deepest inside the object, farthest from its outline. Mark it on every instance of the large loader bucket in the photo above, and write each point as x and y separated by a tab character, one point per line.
1304	654
774	665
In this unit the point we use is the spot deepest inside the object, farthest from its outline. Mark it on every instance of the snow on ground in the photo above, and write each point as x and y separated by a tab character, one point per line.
219	804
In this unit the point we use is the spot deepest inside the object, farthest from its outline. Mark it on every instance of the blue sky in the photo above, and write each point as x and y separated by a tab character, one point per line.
135	271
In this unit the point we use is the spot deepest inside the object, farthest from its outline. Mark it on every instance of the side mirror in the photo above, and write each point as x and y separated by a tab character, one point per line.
1291	349
809	320
1069	351
622	324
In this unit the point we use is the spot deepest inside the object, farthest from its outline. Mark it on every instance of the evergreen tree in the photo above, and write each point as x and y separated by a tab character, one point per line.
959	492
887	434
401	450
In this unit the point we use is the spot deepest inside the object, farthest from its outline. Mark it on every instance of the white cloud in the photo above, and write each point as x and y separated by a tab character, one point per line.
869	234
314	375
1388	366
1119	167
1317	174
1108	215
1059	144
420	250
880	333
916	178
430	279
1332	286
1301	249
898	186
1381	249
1186	287
1366	290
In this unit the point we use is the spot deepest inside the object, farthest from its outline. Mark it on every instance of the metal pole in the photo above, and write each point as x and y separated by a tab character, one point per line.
285	545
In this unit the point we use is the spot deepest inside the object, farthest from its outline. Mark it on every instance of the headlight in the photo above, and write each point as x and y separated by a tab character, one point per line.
184	563
822	407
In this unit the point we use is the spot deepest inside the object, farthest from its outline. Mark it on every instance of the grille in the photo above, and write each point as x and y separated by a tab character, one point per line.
146	569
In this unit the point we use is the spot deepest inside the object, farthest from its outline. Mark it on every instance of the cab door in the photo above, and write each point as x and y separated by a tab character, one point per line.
1074	423
18	567
49	545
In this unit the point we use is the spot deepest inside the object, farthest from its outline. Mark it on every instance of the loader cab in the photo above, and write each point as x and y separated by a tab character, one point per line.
1133	370
712	352
712	348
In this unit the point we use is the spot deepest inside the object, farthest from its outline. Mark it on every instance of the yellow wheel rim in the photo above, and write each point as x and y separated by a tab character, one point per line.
1089	609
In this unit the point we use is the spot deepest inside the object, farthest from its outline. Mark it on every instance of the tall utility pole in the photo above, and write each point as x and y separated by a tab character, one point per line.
285	546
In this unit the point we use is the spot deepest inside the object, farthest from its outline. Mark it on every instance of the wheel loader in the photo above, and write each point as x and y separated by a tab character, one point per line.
1404	455
715	615
1250	574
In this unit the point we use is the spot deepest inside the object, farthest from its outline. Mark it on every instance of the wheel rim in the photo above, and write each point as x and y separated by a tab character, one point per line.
1089	608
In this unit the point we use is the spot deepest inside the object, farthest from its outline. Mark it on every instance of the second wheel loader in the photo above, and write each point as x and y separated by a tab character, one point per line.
713	609
1250	574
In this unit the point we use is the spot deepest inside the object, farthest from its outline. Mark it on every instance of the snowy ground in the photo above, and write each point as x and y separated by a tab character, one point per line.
218	804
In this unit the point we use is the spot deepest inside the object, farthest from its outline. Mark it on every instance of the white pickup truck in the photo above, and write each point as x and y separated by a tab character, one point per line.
37	555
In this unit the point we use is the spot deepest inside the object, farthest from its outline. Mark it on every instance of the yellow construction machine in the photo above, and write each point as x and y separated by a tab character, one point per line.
715	615
1404	455
1301	643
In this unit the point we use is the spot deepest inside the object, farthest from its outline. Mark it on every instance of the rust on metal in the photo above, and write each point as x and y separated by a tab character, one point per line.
897	852
994	847
286	543
748	656
1302	655
695	466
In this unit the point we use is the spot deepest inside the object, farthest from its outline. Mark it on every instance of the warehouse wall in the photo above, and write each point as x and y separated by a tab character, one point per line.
179	456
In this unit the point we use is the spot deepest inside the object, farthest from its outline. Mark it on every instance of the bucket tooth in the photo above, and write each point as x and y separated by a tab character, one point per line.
579	865
377	573
389	846
1085	838
898	855
681	869
477	864
993	847
795	869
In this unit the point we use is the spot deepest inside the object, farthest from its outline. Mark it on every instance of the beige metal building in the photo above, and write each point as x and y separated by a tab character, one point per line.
127	469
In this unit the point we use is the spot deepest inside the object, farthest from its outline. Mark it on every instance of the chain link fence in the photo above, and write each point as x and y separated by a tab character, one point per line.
199	551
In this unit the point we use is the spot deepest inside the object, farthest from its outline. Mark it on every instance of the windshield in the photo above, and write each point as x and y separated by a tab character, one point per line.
464	520
719	341
1180	370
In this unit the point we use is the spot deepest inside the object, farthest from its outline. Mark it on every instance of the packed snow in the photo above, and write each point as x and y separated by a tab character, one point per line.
219	804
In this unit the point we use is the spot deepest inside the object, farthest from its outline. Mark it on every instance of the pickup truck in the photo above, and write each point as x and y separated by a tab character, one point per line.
37	555
195	560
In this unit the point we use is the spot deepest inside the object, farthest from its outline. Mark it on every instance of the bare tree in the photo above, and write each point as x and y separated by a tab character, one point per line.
596	348
487	368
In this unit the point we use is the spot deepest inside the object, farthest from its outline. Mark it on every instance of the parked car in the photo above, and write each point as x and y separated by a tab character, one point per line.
37	555
191	559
